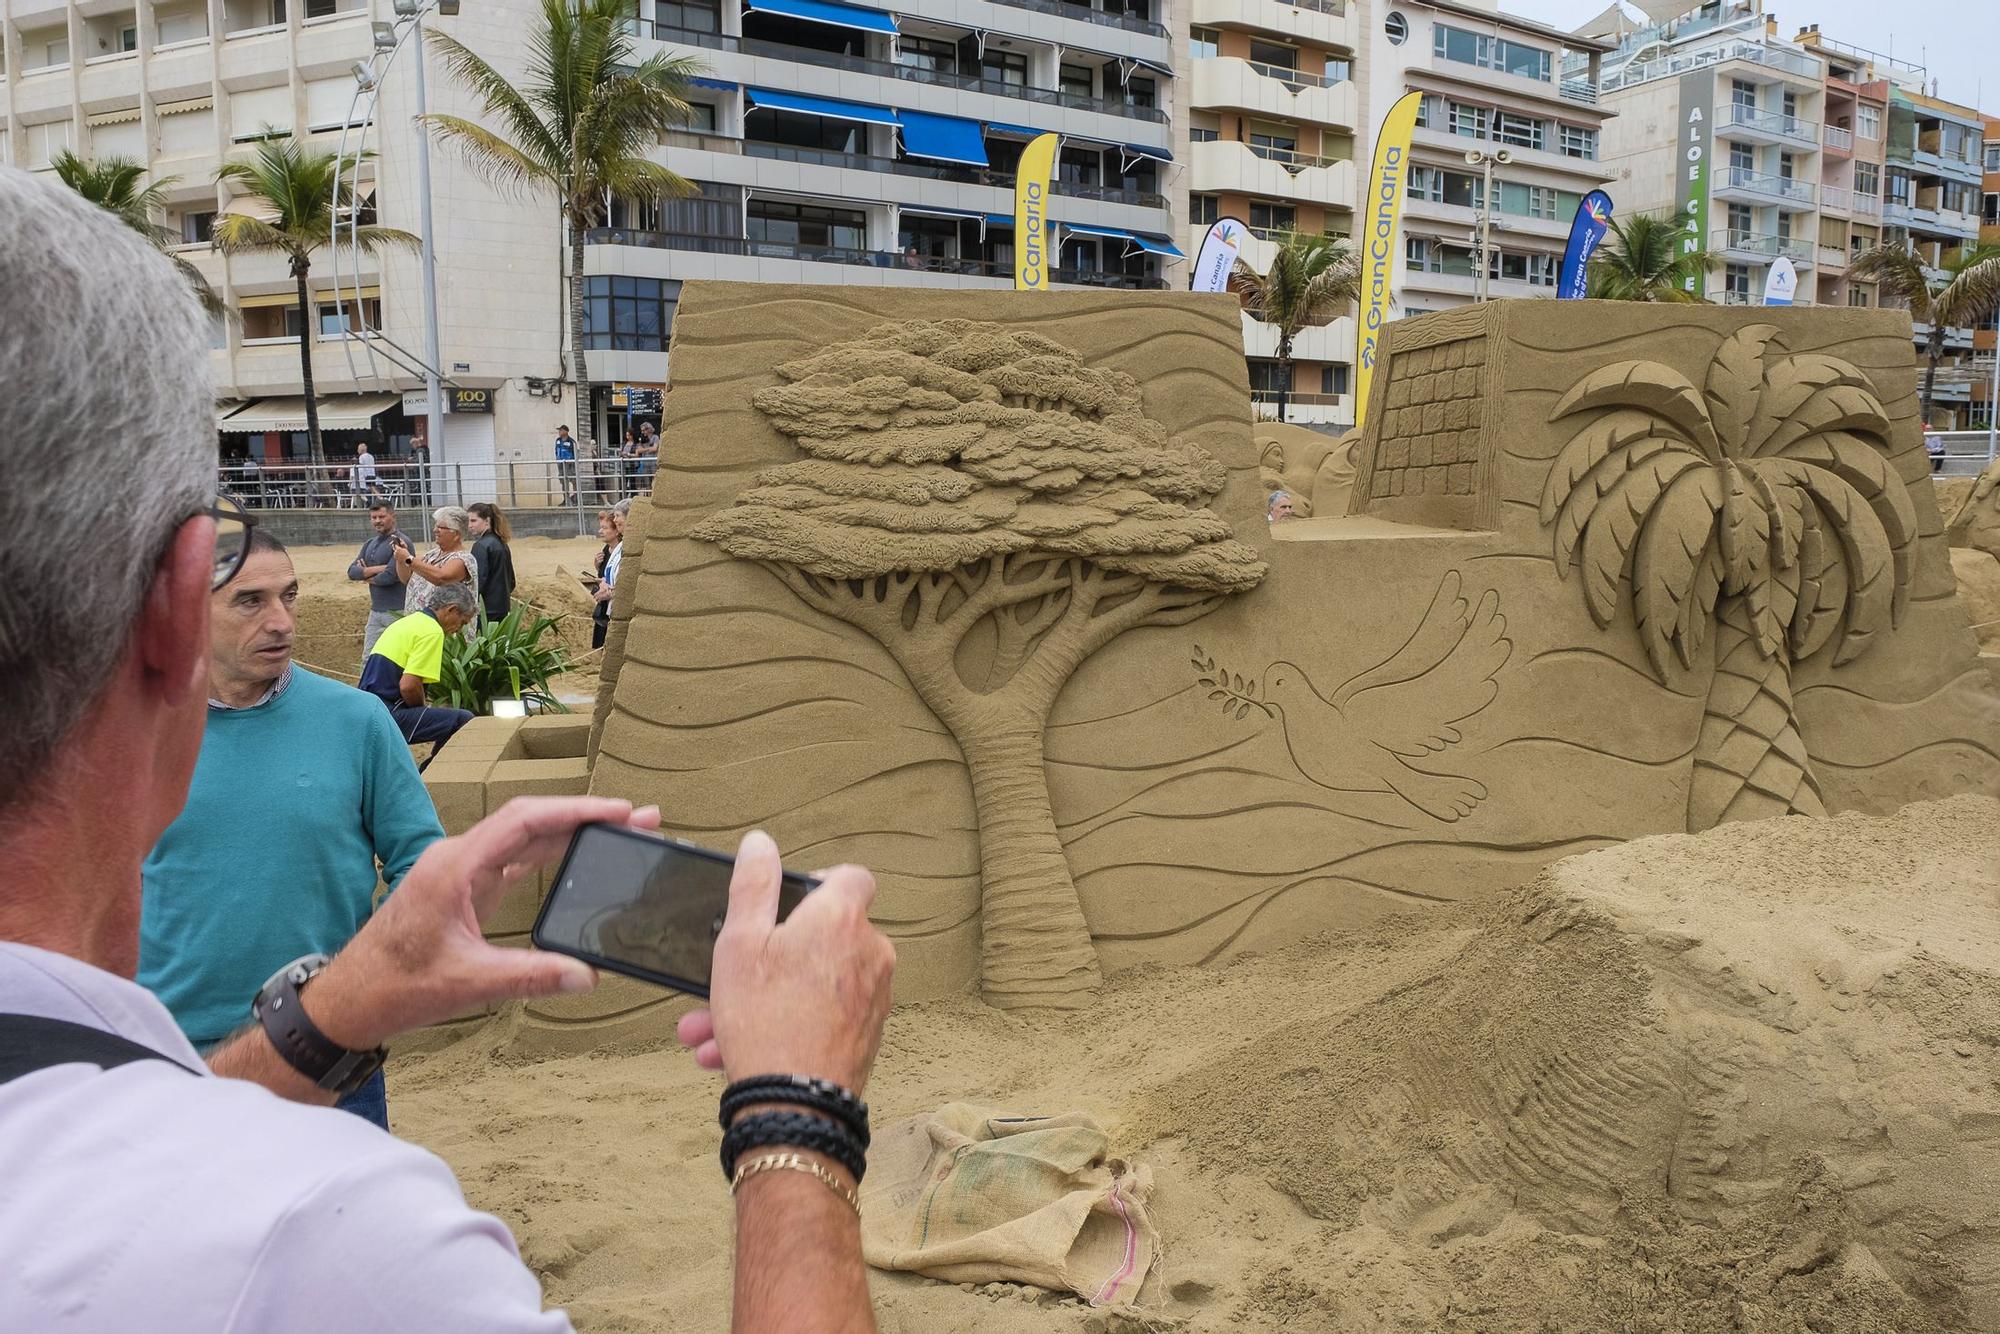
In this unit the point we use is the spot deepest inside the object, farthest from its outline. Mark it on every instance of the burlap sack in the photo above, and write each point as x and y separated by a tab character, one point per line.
969	1195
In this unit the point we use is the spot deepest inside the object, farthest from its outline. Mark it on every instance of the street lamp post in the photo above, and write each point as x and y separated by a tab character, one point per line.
1479	157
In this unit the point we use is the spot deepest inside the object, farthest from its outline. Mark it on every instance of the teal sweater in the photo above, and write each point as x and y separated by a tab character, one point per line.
274	854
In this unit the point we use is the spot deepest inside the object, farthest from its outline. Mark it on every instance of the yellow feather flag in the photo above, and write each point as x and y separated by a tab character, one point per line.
1382	210
1032	260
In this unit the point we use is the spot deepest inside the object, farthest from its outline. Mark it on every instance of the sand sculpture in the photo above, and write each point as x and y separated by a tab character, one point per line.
1606	571
1315	469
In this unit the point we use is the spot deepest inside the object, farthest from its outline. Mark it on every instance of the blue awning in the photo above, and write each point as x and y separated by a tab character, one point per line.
830	12
1148	151
1152	245
1020	131
999	219
821	106
943	138
719	85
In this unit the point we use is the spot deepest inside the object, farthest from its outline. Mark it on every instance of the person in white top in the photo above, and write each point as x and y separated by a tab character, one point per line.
147	1186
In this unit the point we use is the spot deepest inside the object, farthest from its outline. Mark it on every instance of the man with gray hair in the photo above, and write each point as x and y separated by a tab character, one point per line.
148	1188
409	657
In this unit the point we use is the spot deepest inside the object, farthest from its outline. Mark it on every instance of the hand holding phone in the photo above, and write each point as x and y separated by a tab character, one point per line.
804	995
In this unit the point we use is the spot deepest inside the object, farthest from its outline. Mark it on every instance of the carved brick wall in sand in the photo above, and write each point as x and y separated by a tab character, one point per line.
1413	706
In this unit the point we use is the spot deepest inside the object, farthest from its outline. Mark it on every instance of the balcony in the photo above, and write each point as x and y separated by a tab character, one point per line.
891	260
1225	166
1319	22
888	69
1751	125
1783	64
1229	83
1747	183
1832	258
1838	141
1762	249
1333	341
820	157
1305	409
1087	14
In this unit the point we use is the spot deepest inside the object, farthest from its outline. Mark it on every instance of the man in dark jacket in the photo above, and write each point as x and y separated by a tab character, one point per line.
377	565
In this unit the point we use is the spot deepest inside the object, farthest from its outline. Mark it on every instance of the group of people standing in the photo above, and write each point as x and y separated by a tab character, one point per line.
625	473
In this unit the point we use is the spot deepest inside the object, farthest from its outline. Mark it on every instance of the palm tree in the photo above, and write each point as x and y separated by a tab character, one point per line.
309	200
113	184
1966	291
1763	500
1643	260
579	127
1312	279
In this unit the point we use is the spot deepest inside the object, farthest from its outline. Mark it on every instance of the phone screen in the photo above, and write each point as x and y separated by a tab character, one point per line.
645	906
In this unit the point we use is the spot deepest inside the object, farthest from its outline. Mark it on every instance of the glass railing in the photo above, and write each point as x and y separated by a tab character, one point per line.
1294	79
889	69
1291	159
709	244
1771	122
1757	243
1646	71
1784	187
824	157
1128	22
1337	8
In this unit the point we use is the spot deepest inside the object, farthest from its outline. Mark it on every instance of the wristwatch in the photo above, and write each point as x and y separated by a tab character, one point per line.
306	1049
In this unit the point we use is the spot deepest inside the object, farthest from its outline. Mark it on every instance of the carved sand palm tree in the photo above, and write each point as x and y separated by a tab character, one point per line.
992	512
1762	500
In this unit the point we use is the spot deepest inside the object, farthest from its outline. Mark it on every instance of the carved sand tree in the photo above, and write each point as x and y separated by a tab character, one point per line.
1763	499
991	511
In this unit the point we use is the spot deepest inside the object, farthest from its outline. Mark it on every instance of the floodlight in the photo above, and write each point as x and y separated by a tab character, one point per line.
364	76
406	8
385	35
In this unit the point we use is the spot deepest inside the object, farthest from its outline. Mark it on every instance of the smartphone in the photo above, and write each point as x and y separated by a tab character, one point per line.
646	906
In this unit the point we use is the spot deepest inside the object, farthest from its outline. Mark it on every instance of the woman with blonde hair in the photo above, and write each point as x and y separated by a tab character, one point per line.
447	562
493	556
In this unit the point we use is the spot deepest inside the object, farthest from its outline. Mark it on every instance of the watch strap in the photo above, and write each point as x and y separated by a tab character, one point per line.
307	1050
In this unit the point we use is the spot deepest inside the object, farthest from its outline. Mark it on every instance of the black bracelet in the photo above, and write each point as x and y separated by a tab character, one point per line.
793	1130
823	1096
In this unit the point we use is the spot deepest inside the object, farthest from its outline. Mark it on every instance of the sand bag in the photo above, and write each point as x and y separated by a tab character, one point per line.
970	1196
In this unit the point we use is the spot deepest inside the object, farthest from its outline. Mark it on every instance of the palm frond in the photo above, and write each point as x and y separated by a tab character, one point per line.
1971	291
239	233
529	135
1643	260
1899	274
503	164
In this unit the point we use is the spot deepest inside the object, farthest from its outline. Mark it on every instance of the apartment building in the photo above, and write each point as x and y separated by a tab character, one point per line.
1718	79
1986	338
1494	85
832	143
1270	135
1853	163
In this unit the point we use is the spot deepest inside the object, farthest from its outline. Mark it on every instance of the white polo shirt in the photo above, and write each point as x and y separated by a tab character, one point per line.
145	1198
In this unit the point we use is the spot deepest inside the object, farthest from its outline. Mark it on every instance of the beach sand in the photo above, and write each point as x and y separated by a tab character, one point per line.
1744	1080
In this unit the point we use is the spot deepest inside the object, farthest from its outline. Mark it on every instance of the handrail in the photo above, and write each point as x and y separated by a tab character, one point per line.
889	69
1293	79
880	259
826	157
1774	122
1089	15
1745	178
1291	159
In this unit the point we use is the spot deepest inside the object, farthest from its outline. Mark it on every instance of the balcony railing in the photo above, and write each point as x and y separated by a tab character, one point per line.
1784	187
1291	159
1731	297
1648	70
1771	122
1841	141
1832	257
1770	247
889	69
1337	8
824	157
1089	15
1292	78
1579	90
878	259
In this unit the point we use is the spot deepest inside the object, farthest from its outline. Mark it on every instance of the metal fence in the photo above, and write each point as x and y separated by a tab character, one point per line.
584	485
1965	453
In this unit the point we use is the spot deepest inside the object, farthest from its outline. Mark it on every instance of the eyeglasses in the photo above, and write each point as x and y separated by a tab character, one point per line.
232	538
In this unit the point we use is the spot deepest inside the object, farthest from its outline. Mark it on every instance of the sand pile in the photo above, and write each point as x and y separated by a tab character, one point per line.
1745	1080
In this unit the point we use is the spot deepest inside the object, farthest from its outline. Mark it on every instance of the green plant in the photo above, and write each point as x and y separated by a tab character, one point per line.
113	184
1645	259
506	659
1312	279
1962	289
582	125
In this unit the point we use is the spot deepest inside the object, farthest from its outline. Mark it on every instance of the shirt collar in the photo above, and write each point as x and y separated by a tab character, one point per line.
278	687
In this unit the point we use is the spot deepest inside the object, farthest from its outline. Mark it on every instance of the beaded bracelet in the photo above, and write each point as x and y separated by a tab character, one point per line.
817	1095
793	1130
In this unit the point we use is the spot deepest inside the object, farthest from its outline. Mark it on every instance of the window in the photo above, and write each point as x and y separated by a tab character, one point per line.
1536	270
128	39
929	53
197	228
1741	223
1791	110
690	15
1203	44
1270	53
1541	202
1078	80
1469	121
1203	210
628	314
1896	187
1397	28
1579	142
1990	212
1008	67
1742	160
1080	166
1868	179
1430	111
1743	94
1857	296
1786	166
701	118
350	316
1333	379
1282	138
1264	377
1339	69
1993	157
1487	52
782	222
1868	122
1521	131
1445	187
1198	135
1141	92
1784	225
1273	217
44	141
1736	278
791	129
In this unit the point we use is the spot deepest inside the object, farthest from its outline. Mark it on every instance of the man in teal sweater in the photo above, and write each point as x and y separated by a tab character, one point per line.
303	785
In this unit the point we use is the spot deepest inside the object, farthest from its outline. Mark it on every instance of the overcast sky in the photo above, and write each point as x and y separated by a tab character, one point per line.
1957	40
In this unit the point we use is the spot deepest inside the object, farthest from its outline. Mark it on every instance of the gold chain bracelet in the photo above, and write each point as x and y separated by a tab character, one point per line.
792	1162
